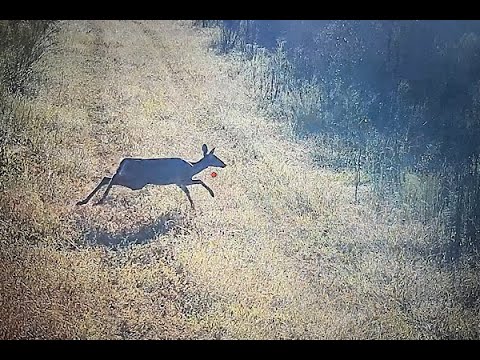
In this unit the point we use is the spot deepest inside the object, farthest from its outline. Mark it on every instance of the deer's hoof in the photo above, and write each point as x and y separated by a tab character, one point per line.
80	203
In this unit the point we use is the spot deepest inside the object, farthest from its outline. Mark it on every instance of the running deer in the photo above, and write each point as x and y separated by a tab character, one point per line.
135	173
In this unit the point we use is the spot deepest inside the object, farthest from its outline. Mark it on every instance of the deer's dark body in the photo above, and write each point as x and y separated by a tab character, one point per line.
135	173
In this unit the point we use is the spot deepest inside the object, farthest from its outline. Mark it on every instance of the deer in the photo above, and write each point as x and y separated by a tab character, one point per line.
136	173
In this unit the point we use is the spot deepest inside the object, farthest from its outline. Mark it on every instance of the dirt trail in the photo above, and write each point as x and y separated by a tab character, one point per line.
245	265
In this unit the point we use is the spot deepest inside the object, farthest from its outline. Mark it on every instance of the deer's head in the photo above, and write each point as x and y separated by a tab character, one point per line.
210	158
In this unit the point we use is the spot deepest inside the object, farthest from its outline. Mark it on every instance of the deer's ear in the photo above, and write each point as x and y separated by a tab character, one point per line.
211	151
204	149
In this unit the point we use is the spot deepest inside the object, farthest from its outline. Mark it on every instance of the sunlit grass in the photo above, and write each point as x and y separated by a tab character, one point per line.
281	251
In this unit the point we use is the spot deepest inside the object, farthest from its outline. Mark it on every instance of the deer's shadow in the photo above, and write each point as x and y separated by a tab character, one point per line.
169	222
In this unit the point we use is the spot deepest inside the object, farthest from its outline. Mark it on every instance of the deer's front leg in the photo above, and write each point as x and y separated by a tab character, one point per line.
200	182
187	192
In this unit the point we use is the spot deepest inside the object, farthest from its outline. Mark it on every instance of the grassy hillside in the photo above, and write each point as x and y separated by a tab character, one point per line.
281	251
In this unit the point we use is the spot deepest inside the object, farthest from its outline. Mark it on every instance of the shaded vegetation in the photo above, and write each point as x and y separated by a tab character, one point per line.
402	96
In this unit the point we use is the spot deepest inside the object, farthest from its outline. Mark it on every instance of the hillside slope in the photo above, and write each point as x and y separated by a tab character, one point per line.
280	252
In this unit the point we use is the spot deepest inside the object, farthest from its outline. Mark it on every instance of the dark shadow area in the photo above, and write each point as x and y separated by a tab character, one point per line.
169	222
395	102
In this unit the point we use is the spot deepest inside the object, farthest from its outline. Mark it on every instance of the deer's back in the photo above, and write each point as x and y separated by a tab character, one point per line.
162	171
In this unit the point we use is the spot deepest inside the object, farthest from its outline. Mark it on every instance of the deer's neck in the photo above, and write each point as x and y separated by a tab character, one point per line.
199	166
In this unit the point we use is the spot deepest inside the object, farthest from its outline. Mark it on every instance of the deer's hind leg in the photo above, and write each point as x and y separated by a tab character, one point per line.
111	182
104	181
135	184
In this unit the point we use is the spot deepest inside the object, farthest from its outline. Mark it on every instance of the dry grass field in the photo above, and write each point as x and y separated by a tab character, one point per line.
281	251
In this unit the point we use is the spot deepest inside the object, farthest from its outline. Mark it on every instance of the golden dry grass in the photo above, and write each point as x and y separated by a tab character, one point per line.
280	252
